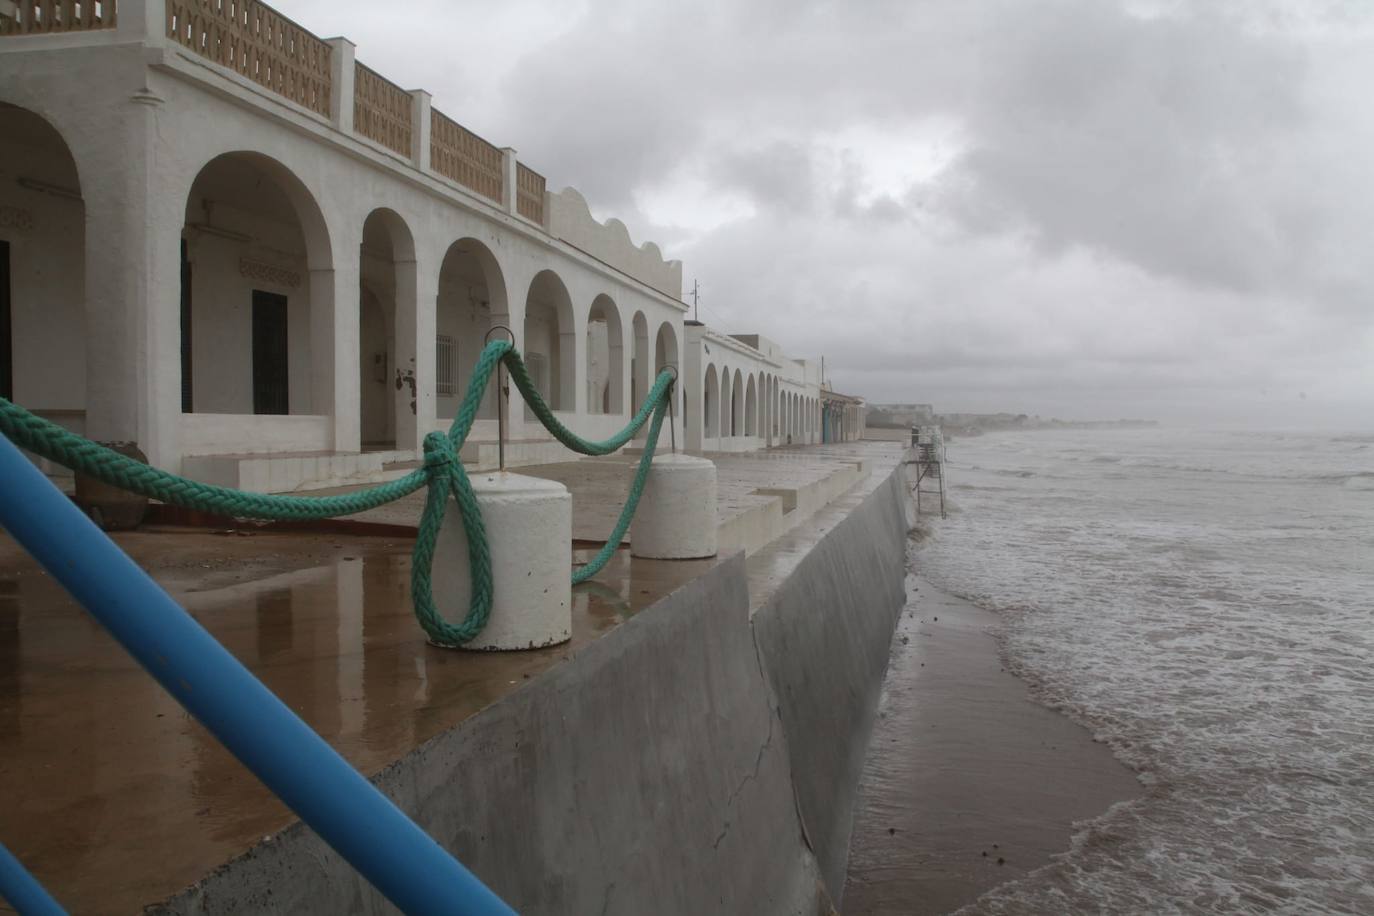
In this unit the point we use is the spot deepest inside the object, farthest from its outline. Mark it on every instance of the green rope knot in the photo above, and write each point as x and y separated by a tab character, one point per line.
439	450
443	474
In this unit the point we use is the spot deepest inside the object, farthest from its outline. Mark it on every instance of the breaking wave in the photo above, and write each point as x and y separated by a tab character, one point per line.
1217	637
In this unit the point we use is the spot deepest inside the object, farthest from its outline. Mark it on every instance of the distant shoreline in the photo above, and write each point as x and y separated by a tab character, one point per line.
965	429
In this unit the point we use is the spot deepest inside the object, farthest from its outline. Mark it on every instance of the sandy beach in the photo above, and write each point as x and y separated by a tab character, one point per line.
968	783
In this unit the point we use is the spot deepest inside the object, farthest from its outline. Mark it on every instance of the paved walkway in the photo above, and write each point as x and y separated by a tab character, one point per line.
116	798
600	485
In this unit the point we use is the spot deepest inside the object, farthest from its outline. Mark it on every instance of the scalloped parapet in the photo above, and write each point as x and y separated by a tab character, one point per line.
571	220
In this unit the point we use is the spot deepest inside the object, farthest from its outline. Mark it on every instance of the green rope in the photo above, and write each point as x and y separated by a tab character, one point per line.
443	473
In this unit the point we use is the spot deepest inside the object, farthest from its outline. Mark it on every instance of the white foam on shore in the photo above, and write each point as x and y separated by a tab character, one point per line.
1204	603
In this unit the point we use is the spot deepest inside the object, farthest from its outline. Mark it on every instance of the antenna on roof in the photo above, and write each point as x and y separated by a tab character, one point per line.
695	288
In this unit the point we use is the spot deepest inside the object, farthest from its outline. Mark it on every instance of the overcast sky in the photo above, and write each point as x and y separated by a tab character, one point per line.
1082	208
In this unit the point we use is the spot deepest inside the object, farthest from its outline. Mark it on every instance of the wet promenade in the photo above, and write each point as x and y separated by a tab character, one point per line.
115	798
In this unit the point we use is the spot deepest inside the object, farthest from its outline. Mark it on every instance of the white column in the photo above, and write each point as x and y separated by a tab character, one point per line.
514	406
572	368
426	335
133	284
405	393
334	348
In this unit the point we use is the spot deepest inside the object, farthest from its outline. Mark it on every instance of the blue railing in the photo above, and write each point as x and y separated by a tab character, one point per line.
328	794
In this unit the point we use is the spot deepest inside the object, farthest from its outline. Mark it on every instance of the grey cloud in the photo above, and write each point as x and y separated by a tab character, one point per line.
779	175
1164	204
1150	139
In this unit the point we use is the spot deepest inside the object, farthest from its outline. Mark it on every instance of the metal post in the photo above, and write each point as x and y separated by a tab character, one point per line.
347	811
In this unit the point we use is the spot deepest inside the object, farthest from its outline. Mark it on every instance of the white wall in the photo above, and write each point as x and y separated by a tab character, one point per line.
222	318
142	159
375	379
598	350
464	313
47	265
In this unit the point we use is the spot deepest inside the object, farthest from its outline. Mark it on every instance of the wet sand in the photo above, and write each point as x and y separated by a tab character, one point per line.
968	782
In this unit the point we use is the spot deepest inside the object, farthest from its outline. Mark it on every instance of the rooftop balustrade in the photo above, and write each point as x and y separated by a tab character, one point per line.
462	156
258	43
381	110
530	194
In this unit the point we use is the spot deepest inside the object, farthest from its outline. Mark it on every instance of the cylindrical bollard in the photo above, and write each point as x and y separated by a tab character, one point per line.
676	518
529	531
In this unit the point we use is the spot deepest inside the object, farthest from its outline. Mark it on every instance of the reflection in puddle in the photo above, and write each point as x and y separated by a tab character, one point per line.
601	603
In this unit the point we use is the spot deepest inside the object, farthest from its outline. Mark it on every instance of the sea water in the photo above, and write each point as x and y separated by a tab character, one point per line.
1203	601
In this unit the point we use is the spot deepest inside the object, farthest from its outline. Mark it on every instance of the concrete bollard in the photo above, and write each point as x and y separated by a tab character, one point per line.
529	530
676	519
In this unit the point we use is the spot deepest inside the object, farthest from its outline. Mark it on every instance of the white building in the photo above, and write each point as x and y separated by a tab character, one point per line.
744	393
229	241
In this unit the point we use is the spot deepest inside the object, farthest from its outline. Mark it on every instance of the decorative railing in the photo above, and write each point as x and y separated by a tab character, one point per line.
381	109
529	199
38	16
255	40
457	153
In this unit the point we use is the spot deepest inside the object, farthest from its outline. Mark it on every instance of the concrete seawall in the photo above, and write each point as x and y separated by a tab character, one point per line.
823	635
694	759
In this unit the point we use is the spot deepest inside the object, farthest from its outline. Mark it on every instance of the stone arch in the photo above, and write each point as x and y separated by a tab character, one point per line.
711	403
605	358
639	361
666	354
253	235
766	409
665	348
737	404
43	336
386	332
751	407
549	340
726	401
471	300
775	409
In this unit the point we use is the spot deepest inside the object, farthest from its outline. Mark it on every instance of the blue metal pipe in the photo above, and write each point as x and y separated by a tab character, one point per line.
22	889
376	838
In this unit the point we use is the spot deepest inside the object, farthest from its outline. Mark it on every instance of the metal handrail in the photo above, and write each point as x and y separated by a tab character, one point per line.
402	861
